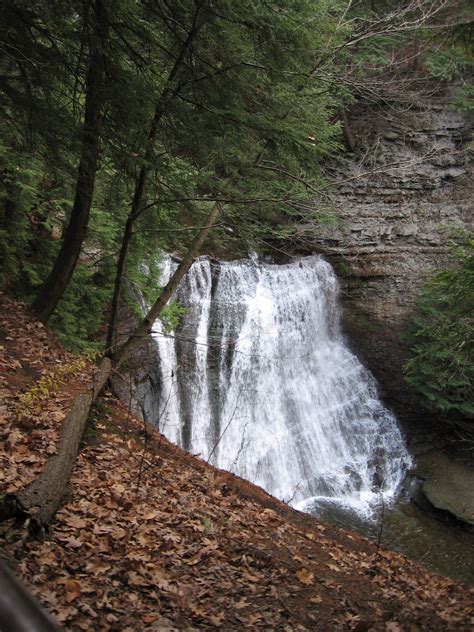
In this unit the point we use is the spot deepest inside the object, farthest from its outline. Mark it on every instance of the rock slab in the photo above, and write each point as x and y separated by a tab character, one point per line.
449	485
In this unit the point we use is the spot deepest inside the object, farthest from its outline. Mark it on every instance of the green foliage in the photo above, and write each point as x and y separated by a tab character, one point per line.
172	315
453	59
375	52
33	202
80	314
246	114
343	268
18	195
442	337
447	64
464	100
30	401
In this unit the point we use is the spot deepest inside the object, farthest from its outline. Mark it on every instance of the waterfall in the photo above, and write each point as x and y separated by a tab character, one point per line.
259	380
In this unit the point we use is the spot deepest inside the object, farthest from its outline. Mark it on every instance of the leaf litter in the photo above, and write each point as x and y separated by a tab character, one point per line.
152	538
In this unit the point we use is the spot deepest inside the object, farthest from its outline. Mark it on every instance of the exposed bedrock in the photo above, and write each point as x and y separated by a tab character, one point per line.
395	198
136	383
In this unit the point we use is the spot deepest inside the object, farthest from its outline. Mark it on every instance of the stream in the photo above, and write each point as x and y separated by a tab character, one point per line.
400	526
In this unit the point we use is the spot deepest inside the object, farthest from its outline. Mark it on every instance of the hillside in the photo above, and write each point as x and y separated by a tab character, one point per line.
150	537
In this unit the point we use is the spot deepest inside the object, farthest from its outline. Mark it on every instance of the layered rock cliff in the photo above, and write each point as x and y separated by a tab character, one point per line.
396	198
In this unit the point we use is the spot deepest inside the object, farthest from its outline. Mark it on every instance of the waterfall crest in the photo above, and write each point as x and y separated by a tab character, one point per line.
259	380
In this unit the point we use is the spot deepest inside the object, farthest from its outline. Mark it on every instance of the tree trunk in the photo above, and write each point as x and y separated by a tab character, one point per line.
135	212
145	327
40	500
139	194
58	279
118	285
347	132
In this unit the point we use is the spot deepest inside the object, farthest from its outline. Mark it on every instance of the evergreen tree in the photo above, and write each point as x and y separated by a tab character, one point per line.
442	342
239	119
38	131
58	279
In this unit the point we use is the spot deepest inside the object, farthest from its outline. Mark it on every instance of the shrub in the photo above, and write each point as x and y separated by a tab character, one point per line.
442	337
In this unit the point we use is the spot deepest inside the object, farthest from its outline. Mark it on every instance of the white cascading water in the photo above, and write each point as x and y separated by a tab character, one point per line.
258	379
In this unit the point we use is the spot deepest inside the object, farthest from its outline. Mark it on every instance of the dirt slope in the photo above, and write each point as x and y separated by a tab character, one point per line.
151	538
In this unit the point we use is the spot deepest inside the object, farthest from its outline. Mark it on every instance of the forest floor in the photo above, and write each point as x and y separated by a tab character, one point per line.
152	538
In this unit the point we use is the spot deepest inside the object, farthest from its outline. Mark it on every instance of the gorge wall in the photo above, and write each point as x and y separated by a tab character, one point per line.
408	180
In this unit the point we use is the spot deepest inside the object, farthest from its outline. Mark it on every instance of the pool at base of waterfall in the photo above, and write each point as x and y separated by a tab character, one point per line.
363	504
400	526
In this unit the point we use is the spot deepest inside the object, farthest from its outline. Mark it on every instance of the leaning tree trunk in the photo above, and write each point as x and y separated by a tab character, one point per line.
40	500
145	326
58	279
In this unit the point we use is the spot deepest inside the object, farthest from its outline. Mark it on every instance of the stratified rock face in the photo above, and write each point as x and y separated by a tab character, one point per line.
409	180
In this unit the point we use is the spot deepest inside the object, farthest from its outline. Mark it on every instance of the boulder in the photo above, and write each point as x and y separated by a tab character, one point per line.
449	485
